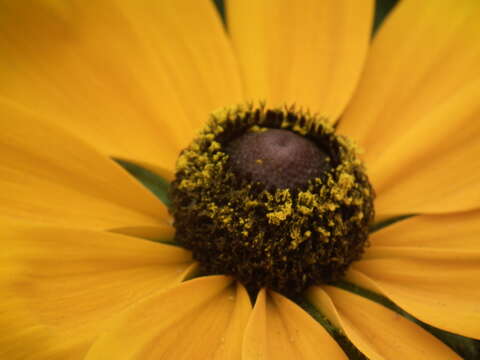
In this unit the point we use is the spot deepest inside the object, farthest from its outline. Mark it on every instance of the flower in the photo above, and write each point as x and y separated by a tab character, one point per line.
86	82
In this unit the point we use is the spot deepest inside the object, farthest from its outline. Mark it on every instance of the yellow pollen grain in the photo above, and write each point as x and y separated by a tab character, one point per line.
276	217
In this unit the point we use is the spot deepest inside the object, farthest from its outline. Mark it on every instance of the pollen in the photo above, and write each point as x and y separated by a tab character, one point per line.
272	197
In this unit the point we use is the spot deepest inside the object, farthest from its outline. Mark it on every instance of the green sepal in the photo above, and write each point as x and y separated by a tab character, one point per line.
153	182
387	222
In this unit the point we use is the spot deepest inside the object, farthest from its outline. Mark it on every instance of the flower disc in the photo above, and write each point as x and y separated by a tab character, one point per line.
277	158
272	197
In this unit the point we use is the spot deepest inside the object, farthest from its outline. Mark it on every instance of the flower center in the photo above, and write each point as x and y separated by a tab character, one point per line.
277	158
272	197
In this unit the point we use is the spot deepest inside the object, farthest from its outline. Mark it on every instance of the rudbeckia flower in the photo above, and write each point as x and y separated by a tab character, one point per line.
270	248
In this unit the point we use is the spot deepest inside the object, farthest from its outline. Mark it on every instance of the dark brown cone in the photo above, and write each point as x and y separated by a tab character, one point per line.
277	158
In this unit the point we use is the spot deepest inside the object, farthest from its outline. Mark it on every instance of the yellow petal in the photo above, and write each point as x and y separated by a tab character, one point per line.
305	52
49	176
376	331
60	286
457	231
433	281
232	344
134	78
416	109
162	233
279	329
199	319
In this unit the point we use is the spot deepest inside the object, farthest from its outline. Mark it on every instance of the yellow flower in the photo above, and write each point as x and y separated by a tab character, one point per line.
82	82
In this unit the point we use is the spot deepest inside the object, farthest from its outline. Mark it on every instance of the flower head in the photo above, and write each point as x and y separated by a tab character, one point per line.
262	254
